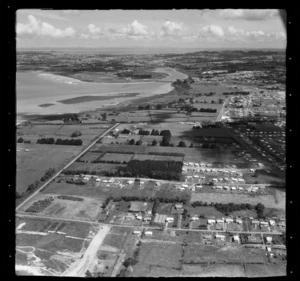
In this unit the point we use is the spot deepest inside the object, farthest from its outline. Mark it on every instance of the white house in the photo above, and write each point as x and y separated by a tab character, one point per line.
137	232
148	233
227	220
220	236
271	222
236	238
169	219
211	221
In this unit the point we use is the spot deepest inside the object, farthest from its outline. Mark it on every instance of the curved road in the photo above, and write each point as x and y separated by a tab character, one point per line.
70	163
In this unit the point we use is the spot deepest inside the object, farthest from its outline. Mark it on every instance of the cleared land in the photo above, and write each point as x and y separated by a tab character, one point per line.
51	253
87	209
267	200
33	164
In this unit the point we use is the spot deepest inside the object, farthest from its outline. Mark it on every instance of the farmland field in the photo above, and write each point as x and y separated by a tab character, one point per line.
213	270
225	156
33	164
90	156
228	254
94	167
161	254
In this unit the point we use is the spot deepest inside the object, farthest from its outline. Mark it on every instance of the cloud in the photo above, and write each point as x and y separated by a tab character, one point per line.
171	29
247	14
212	31
135	30
37	27
233	33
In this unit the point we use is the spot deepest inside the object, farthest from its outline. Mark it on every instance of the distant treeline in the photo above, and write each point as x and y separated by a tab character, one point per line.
59	141
236	93
194	109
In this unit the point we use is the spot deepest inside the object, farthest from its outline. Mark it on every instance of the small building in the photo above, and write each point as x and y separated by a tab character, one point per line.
228	220
236	238
211	221
272	222
195	217
137	232
169	219
239	221
178	206
148	233
269	239
220	237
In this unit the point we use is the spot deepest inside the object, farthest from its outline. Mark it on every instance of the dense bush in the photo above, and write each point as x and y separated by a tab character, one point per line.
76	142
50	172
125	131
76	134
72	198
167	154
45	141
33	186
20	140
144	132
181	144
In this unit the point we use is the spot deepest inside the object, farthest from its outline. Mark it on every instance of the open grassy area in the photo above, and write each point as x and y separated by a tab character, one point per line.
154	254
33	164
267	200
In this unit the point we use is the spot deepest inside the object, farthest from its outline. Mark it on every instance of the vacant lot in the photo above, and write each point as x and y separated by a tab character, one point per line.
214	270
33	164
228	254
206	211
152	254
87	209
52	252
267	200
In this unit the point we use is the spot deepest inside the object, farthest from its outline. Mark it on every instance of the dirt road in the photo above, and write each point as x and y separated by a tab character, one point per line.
89	258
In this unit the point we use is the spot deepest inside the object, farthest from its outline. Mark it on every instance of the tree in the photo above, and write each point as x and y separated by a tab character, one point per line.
20	140
76	134
131	142
159	106
139	142
154	143
88	274
191	145
104	116
165	141
181	144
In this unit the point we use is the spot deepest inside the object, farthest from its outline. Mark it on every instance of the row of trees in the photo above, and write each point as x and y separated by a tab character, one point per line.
168	170
21	140
232	207
75	142
59	141
236	93
48	174
148	107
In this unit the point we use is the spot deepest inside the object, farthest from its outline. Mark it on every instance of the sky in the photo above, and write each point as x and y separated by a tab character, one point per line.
229	28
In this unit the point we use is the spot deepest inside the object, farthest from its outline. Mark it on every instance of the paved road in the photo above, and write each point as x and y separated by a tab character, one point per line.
70	163
147	227
221	111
